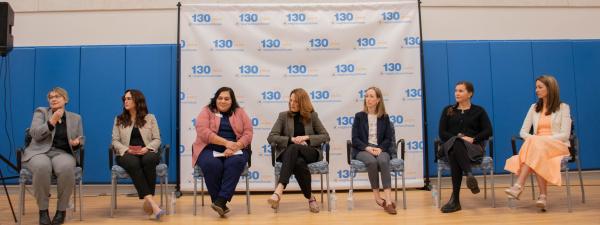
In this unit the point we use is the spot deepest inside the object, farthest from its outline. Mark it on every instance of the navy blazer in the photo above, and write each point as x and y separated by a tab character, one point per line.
360	134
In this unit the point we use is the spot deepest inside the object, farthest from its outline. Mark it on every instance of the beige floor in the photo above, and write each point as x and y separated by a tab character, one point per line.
476	210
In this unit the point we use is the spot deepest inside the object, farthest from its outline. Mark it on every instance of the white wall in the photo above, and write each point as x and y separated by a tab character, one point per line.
105	22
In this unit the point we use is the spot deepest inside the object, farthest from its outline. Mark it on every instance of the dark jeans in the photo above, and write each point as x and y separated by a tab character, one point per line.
221	174
142	170
295	160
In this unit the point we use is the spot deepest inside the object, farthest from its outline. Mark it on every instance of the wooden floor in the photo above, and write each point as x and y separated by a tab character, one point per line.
293	209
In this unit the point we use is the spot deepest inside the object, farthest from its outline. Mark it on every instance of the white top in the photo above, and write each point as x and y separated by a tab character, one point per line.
372	119
561	123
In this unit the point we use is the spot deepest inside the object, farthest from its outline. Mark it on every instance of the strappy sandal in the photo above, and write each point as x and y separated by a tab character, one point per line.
274	203
382	203
313	205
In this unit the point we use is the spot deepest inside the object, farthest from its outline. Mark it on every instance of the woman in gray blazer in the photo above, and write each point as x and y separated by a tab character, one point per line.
136	140
55	135
298	134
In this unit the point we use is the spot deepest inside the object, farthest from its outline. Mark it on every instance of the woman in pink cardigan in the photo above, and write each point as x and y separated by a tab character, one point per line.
223	131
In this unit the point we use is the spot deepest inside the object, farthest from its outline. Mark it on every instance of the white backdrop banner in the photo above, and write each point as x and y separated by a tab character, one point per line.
333	51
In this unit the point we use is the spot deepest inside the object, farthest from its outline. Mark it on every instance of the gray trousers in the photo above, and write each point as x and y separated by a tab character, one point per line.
374	165
42	166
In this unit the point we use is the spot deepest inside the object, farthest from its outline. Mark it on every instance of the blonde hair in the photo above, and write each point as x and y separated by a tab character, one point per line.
380	109
60	91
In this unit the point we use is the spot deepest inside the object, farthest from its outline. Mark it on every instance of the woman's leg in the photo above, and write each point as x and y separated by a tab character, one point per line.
306	155
456	172
149	162
373	172
133	166
212	169
383	162
232	170
288	161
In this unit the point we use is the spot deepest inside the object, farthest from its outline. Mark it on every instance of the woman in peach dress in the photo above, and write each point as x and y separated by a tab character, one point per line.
542	151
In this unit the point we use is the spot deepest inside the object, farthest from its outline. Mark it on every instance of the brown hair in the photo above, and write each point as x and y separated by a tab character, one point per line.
60	91
470	88
306	107
380	109
140	108
553	103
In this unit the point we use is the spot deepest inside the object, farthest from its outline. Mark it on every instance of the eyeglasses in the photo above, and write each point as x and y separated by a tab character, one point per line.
50	97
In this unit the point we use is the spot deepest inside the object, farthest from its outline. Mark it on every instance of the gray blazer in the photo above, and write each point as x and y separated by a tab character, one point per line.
42	137
283	130
122	135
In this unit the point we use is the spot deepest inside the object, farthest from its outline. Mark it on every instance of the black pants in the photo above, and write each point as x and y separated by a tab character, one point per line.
460	163
295	160
142	170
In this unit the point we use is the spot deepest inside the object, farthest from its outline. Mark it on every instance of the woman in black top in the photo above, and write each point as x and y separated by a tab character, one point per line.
298	134
463	129
135	141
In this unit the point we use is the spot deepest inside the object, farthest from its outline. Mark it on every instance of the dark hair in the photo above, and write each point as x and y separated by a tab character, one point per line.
553	103
470	88
140	108
213	101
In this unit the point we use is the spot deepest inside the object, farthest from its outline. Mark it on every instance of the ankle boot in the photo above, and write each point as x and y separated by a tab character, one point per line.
453	204
44	217
472	183
59	217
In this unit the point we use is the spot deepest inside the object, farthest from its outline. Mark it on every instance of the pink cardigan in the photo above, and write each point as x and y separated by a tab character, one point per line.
207	125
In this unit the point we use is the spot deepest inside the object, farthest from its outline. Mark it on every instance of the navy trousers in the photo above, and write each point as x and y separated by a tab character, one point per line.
221	174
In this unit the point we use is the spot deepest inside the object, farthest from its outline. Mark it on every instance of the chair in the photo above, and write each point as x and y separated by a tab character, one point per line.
396	166
573	157
162	172
199	175
25	178
486	165
320	167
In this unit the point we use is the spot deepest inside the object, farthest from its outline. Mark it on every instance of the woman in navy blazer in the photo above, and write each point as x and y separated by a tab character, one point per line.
372	144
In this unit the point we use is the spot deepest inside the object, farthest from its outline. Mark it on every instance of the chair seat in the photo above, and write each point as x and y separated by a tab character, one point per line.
25	176
162	170
320	167
199	174
487	163
396	165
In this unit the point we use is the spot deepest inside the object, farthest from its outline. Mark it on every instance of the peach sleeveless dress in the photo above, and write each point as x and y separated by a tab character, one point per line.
541	153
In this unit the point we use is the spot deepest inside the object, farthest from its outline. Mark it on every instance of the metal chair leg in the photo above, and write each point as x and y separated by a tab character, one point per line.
195	192
396	187
276	180
202	191
532	187
160	180
113	199
166	192
484	184
75	198
580	180
21	202
328	192
403	191
248	193
568	190
493	190
81	199
439	187
322	189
